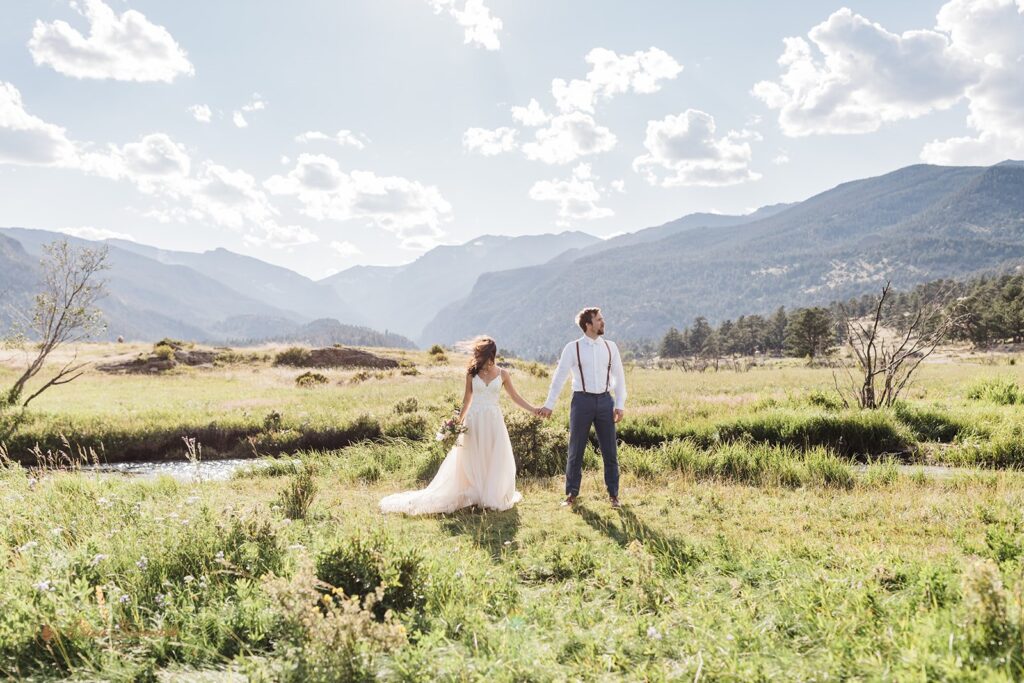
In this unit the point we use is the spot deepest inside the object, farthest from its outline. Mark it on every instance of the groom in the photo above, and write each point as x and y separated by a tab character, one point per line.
596	368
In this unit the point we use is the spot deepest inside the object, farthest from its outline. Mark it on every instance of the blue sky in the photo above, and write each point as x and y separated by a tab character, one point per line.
375	129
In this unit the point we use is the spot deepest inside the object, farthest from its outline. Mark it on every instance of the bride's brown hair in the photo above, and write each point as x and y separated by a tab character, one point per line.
484	349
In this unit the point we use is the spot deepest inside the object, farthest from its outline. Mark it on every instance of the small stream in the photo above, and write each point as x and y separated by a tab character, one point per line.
183	470
221	470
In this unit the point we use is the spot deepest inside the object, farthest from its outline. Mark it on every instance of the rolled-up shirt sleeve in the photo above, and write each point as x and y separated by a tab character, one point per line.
562	373
618	379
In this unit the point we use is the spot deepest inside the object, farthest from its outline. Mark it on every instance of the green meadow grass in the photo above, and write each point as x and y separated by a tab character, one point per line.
750	546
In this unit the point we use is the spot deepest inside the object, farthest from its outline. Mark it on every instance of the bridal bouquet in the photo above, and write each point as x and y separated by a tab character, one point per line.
451	429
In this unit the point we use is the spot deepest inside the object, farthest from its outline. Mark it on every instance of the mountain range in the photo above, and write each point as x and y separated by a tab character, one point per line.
915	224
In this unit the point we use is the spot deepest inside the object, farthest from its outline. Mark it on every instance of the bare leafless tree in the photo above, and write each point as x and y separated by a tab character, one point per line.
886	362
63	312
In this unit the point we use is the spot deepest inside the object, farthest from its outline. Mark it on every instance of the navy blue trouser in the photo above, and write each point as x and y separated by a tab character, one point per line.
586	410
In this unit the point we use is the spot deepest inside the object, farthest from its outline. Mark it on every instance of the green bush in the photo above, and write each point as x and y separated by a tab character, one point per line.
436	350
310	379
297	496
1002	391
414	427
295	356
173	343
360	564
163	351
539	448
406	405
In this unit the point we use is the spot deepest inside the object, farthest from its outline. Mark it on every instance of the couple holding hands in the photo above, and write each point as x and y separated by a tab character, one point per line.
480	468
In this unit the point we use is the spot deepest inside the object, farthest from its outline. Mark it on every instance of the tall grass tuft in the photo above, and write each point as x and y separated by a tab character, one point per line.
1002	391
298	494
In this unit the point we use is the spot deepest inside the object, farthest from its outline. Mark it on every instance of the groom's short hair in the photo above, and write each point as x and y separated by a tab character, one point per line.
586	316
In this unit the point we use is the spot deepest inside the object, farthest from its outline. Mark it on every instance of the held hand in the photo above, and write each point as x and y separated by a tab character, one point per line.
618	414
544	412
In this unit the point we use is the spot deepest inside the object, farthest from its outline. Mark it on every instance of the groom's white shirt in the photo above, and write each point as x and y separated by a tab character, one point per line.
594	359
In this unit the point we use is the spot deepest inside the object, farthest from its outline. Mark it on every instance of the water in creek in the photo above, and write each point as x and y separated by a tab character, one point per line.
220	470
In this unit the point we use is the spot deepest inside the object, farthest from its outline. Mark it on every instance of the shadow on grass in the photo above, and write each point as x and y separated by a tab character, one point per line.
674	555
489	529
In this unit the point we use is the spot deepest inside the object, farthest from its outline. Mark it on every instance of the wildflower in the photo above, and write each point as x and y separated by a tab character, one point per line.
57	531
160	599
458	574
27	546
653	633
203	583
96	559
189	578
124	599
44	585
142	563
219	556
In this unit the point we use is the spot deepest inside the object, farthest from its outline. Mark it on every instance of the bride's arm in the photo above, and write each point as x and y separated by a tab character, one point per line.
506	379
467	398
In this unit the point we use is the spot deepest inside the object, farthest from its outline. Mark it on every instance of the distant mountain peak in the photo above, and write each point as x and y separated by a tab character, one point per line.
1017	163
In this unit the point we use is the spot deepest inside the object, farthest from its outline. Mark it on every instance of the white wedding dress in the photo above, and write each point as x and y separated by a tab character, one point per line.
478	470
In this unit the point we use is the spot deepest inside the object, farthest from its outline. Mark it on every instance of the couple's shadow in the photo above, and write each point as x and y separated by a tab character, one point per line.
493	531
675	555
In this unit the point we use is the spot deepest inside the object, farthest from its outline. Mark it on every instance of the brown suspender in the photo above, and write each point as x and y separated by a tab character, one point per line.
579	363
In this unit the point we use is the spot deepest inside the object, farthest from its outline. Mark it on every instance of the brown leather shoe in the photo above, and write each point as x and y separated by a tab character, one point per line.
570	500
615	502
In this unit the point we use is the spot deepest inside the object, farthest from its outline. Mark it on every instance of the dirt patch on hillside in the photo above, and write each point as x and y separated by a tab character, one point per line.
150	364
334	357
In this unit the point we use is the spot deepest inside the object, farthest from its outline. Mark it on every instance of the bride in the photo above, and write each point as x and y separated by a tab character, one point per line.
479	469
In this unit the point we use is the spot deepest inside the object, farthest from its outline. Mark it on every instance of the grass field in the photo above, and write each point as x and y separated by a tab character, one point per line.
749	547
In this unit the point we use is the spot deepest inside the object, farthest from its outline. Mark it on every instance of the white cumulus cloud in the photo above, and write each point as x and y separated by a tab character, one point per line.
201	113
88	232
613	74
344	138
853	75
577	197
531	115
992	33
480	26
125	47
569	137
410	209
346	249
28	140
684	150
489	143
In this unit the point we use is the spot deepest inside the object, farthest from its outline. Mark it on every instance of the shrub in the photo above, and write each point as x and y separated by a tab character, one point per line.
436	350
295	356
310	379
406	405
360	564
173	343
163	351
410	372
820	399
272	421
297	495
324	637
539	449
1001	391
414	427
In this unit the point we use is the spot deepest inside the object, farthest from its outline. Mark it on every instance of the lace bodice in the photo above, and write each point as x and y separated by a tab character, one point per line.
486	394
